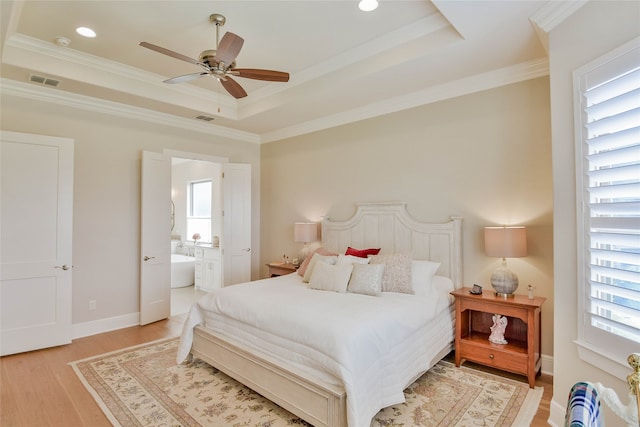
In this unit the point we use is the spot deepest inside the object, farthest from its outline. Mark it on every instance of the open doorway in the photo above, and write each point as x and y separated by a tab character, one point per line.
195	229
222	265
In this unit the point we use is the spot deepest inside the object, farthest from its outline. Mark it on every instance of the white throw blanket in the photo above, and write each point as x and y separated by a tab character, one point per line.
353	338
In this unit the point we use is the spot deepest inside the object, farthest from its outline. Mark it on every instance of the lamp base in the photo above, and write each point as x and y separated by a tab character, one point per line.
503	295
504	282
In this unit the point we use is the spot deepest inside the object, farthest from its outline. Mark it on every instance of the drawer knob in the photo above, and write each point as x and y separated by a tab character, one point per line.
491	356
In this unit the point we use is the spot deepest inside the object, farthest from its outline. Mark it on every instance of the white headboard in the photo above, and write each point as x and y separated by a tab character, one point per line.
387	225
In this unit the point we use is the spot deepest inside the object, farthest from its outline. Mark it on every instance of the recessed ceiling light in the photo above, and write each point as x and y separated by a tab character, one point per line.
368	5
86	32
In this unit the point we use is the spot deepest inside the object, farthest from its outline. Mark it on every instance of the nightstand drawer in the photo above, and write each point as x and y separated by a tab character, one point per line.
494	356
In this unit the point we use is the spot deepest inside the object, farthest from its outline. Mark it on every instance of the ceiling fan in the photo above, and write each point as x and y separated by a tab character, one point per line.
220	63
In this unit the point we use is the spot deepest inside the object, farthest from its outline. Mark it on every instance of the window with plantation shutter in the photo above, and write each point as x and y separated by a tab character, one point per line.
608	179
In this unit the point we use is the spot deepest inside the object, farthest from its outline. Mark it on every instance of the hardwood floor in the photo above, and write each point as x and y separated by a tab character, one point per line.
40	389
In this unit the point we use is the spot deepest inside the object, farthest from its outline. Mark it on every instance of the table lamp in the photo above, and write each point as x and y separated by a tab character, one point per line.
305	232
505	242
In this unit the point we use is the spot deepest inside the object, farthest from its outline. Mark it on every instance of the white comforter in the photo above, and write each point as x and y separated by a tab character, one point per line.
356	339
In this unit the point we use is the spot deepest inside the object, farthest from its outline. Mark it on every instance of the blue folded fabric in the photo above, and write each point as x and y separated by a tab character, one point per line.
583	409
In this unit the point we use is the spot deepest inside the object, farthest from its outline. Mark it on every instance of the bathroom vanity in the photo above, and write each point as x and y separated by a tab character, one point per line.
208	272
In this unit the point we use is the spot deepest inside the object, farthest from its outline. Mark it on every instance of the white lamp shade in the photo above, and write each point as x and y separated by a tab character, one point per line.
505	242
305	232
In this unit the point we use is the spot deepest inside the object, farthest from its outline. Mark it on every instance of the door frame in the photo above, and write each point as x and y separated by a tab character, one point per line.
146	317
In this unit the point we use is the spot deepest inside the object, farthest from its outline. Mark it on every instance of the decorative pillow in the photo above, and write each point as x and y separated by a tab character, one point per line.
397	272
327	277
362	253
351	259
422	273
305	263
317	259
366	279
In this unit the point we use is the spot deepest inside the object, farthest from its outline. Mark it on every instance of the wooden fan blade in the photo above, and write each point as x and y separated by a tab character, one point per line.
168	52
233	87
229	48
185	78
268	75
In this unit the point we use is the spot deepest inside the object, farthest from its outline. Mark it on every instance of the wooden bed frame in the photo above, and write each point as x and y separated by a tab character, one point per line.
384	225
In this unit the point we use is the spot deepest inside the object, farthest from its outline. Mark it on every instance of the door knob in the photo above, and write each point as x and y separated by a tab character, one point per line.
247	249
64	267
147	258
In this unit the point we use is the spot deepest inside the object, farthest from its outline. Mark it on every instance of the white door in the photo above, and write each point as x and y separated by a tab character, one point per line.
236	234
36	237
155	235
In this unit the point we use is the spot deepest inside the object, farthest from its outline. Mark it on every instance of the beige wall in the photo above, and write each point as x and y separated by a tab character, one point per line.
595	29
106	212
485	156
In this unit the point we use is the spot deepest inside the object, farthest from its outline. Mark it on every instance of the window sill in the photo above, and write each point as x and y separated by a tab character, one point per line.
606	362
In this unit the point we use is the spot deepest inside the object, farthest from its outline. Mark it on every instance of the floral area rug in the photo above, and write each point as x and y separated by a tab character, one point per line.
142	386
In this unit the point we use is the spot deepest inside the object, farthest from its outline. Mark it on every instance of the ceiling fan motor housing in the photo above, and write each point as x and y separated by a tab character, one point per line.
208	57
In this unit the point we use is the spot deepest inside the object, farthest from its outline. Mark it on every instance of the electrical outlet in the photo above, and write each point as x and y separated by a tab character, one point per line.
92	304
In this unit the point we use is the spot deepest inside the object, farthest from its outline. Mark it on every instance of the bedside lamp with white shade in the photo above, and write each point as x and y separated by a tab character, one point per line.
305	232
505	242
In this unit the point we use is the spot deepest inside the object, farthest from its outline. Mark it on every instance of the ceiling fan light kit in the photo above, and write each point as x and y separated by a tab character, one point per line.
220	62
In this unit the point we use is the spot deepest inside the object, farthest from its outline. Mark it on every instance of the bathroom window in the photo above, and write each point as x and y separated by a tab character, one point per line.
199	210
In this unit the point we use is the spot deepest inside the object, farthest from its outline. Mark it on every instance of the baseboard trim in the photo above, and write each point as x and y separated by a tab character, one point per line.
547	364
80	330
556	414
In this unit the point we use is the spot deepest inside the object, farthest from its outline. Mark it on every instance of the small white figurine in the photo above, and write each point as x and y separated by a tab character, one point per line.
497	330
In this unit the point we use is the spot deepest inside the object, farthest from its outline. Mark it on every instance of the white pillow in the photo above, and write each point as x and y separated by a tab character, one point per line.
366	279
317	258
351	259
422	273
327	277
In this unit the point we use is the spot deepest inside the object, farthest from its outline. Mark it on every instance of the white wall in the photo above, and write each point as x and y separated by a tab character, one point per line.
106	213
595	29
485	156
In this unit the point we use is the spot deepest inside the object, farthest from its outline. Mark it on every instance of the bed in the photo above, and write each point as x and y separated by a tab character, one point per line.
331	362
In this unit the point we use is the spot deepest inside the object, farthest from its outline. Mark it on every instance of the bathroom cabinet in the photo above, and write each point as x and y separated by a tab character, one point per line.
208	273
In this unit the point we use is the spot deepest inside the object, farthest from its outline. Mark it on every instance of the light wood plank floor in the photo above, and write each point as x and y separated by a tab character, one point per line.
40	389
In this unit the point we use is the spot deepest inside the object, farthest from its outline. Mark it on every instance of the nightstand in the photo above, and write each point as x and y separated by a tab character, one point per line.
474	318
281	268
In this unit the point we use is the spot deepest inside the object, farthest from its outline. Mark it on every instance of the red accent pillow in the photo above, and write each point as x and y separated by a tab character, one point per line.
305	263
362	253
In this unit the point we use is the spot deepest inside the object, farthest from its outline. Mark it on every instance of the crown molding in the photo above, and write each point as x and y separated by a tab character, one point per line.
552	14
54	96
489	80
